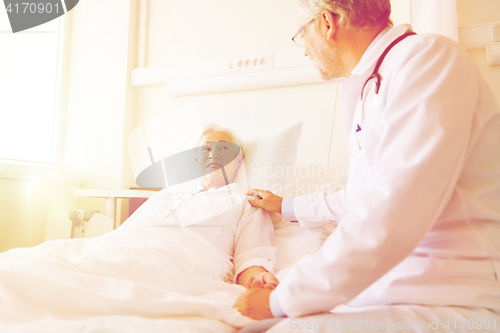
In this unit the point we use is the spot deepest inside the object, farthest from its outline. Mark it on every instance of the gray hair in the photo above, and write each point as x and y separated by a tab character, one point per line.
217	128
353	13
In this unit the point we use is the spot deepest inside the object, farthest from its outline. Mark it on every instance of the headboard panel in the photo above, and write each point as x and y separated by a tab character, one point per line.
255	113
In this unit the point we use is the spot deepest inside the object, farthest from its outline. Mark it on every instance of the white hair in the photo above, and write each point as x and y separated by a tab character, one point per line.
217	128
353	13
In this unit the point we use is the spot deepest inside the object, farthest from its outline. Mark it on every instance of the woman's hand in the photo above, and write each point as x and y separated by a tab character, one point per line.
264	280
266	200
257	277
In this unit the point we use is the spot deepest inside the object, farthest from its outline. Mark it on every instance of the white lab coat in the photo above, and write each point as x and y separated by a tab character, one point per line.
420	218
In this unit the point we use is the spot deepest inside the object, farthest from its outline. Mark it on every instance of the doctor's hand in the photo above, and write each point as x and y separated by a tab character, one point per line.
265	199
254	303
263	280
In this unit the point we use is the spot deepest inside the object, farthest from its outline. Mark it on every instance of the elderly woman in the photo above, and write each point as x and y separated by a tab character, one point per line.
217	210
177	255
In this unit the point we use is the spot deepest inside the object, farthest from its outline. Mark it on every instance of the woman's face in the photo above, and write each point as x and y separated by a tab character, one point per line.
219	150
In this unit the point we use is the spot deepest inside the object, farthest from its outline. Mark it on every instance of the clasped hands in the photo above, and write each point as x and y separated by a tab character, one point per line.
264	280
254	302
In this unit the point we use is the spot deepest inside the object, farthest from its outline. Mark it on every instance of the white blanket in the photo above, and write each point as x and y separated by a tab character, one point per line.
138	278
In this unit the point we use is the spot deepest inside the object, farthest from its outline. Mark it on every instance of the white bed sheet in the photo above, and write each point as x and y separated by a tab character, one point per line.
149	278
129	272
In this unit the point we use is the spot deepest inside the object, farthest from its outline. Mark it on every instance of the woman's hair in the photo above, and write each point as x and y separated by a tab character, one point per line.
217	128
353	13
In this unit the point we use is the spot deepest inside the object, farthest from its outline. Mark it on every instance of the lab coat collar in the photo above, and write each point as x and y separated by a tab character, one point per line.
377	47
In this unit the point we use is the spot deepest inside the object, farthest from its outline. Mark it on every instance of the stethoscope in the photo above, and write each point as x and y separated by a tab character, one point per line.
378	80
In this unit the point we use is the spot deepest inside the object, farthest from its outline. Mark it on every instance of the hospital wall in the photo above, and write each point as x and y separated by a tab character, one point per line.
196	31
96	108
100	107
100	104
189	32
472	12
24	205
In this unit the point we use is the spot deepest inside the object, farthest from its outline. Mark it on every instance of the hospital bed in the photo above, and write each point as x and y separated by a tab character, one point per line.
270	163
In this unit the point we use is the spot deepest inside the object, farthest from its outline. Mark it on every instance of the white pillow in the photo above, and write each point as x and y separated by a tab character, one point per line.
266	158
292	240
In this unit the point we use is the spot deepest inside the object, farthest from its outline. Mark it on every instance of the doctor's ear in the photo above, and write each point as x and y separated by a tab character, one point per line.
328	23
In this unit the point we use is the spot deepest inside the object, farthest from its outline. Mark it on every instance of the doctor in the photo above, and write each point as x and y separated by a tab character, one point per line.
420	217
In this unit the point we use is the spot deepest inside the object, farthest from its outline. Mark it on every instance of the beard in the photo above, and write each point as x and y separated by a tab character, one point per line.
327	76
329	62
333	68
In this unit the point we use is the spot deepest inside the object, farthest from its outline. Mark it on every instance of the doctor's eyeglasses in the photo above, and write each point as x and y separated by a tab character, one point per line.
297	38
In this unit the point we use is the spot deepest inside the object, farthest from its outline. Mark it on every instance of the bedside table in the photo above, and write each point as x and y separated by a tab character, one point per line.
111	196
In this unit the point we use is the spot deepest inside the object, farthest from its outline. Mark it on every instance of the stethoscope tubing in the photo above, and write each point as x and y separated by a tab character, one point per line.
378	79
376	75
